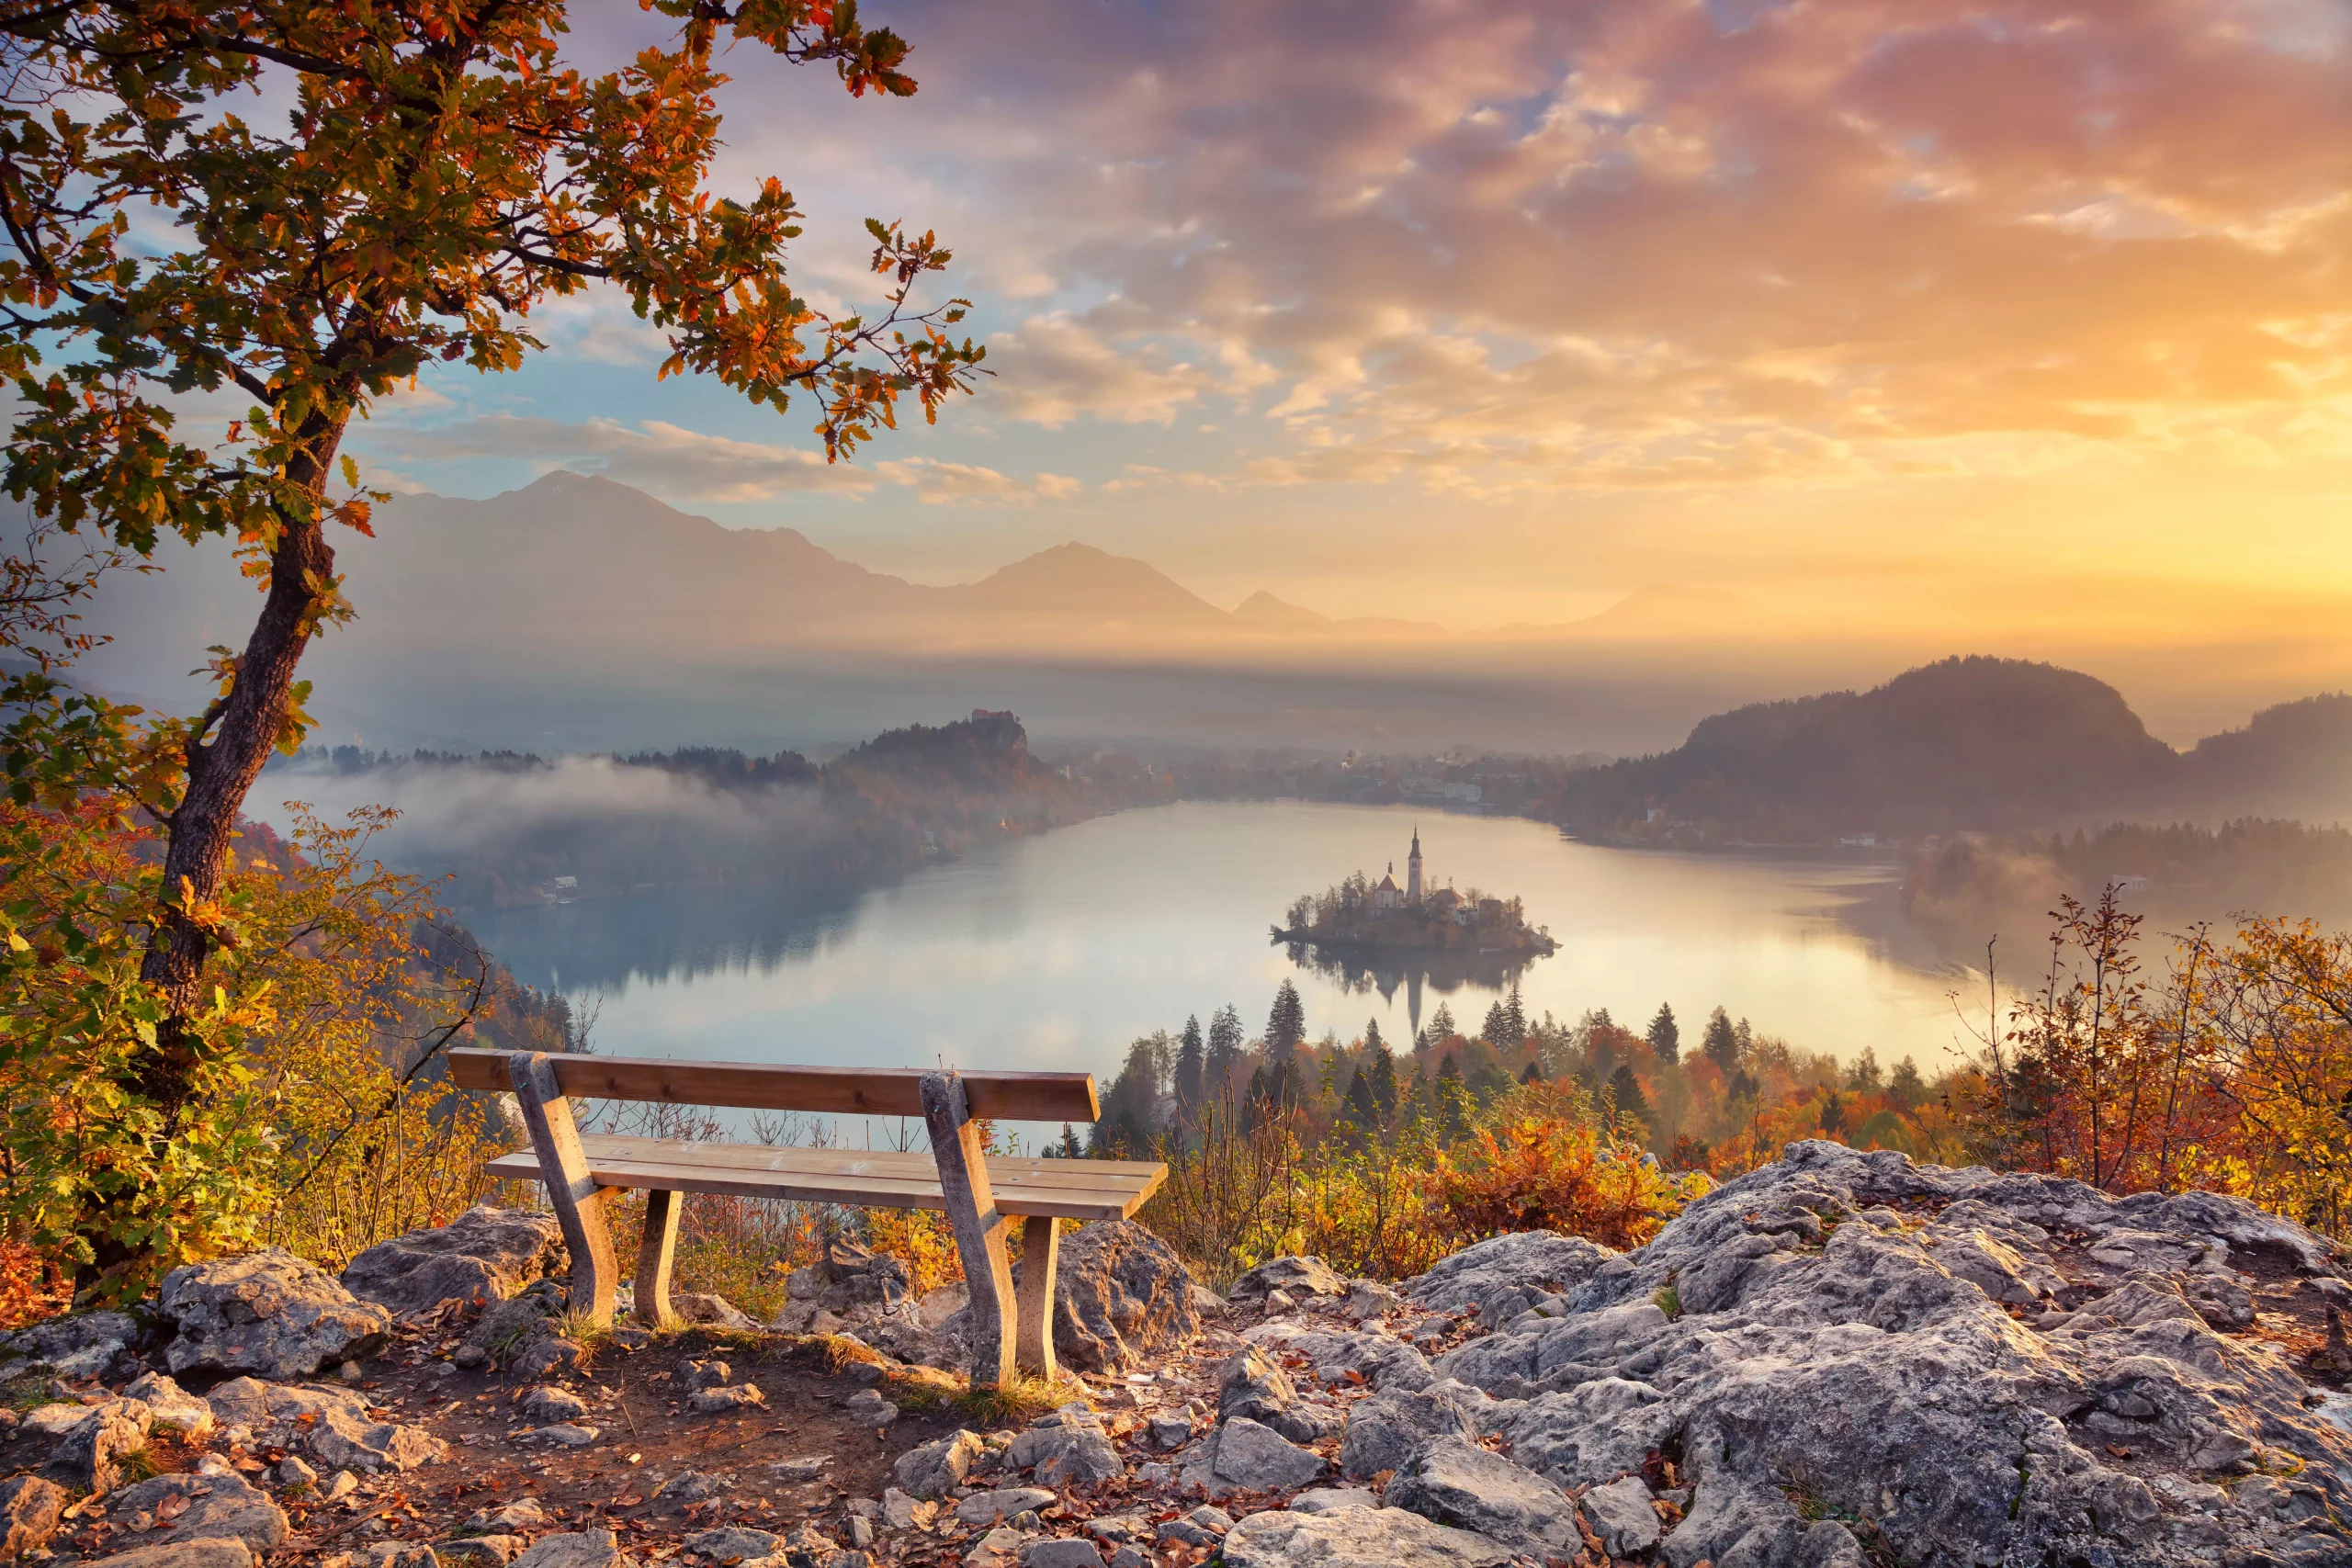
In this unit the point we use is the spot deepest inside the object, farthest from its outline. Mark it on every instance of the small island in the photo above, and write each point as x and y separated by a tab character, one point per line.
1362	915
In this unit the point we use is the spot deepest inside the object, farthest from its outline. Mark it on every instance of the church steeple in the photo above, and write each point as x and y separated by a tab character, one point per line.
1413	869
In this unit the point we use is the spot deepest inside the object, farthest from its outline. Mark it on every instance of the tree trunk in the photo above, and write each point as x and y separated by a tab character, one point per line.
222	763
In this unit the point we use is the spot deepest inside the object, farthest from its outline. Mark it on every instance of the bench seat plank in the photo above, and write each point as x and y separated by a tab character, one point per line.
868	1162
756	1086
854	1178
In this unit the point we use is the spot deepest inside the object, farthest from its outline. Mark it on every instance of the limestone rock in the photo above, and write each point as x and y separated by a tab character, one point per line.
53	1420
692	1486
1836	1331
398	1554
333	1424
902	1511
1122	1298
522	1514
713	1311
79	1345
174	1405
1065	1448
1250	1384
549	1403
1457	1482
511	1324
212	1551
544	1355
985	1508
1356	1538
853	1285
479	1551
563	1435
1388	1430
937	1468
484	1254
1067	1552
1296	1277
1621	1517
1323	1499
731	1543
29	1510
187	1507
1380	1360
1253	1458
1504	1277
584	1549
267	1313
737	1396
90	1455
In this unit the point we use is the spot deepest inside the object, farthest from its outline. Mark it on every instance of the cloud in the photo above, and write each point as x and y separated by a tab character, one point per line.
1511	243
666	459
941	483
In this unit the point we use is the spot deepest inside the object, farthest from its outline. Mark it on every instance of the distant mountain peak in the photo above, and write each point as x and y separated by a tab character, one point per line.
1262	609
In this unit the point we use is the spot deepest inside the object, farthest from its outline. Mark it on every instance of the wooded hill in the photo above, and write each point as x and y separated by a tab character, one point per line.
1964	744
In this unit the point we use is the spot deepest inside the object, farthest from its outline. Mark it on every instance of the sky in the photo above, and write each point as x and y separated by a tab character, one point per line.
1998	315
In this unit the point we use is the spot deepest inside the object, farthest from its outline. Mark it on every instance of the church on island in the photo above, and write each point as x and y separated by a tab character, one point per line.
1359	913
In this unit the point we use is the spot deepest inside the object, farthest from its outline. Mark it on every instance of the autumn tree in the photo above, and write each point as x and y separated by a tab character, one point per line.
296	205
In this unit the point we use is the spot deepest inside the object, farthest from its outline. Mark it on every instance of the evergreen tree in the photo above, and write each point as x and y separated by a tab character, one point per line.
1720	1042
1371	1040
1442	1024
1665	1035
1833	1115
1380	1067
1453	1099
1514	1017
1360	1109
1904	1087
1285	1025
1627	1091
1225	1051
1863	1078
1495	1031
1072	1148
1531	1073
1192	1064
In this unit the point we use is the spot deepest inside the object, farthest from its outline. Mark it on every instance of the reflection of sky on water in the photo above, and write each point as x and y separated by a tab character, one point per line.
1056	951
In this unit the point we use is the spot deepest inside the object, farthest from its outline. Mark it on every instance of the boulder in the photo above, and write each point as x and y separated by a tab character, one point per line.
1122	1299
1829	1340
733	1396
584	1549
692	1486
937	1468
267	1313
731	1543
187	1507
522	1514
1066	1552
509	1325
1294	1276
1356	1538
90	1455
1502	1278
332	1424
549	1403
212	1551
983	1509
1347	1357
1323	1499
1389	1430
79	1345
484	1254
1621	1517
852	1285
713	1311
174	1405
29	1510
1065	1448
1246	1456
1250	1384
1453	1481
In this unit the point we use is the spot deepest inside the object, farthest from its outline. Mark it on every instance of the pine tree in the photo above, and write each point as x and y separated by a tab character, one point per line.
1371	1040
1665	1035
1441	1025
1721	1041
1362	1108
1531	1073
1225	1051
1514	1017
1627	1091
1380	1067
1191	1065
1285	1025
1495	1031
1833	1115
1453	1099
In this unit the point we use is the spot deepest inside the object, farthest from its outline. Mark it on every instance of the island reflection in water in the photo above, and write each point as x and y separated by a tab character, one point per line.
1382	972
1056	951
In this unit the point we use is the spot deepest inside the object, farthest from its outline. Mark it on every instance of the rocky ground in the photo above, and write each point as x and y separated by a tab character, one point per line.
1842	1359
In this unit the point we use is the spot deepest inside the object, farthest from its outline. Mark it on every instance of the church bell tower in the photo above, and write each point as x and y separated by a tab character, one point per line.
1413	869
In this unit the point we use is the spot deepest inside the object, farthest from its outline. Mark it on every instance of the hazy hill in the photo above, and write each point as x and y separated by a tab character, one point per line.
1964	743
2294	759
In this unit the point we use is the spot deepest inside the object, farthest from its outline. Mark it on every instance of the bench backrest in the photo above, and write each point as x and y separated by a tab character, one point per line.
753	1085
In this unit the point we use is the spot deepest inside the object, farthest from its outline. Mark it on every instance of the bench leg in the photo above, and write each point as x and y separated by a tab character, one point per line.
979	1229
577	1200
1041	1247
653	1257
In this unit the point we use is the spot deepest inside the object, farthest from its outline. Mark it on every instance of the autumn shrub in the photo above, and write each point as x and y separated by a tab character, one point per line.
1540	1163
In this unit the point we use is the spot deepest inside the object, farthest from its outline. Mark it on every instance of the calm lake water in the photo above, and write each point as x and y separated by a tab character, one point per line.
1056	951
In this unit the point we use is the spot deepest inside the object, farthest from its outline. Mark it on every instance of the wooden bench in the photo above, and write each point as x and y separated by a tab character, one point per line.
977	1191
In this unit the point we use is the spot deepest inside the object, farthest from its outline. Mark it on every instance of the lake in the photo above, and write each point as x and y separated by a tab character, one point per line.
1054	951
